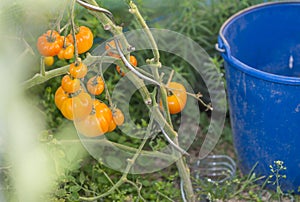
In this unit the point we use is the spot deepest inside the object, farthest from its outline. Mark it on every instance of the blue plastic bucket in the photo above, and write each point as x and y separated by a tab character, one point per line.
261	50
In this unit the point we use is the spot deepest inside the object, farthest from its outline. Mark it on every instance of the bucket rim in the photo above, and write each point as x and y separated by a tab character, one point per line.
244	67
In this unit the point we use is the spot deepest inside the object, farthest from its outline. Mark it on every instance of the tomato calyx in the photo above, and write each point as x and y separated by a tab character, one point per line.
78	69
95	81
51	38
71	95
95	85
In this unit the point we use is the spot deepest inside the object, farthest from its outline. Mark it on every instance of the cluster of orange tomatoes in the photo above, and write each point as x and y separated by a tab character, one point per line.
74	98
91	116
52	44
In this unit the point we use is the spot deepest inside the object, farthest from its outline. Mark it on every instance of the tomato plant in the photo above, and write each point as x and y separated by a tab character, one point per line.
84	39
82	80
95	85
50	43
78	70
70	85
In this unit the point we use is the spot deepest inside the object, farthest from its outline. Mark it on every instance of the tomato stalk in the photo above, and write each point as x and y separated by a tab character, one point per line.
39	78
60	17
77	61
42	66
107	94
182	166
134	10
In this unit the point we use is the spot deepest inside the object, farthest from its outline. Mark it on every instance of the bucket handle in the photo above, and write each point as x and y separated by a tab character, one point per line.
221	50
222	46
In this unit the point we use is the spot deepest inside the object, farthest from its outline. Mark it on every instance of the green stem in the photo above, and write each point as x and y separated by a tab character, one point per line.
60	17
43	71
134	10
106	22
39	78
74	32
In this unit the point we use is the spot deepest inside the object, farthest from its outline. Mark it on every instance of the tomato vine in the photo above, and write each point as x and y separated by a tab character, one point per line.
92	116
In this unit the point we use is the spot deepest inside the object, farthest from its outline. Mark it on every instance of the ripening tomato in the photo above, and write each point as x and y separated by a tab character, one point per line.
69	84
67	50
177	100
60	97
84	39
112	126
75	106
92	125
118	116
111	50
133	62
95	85
97	123
104	110
50	43
78	70
49	61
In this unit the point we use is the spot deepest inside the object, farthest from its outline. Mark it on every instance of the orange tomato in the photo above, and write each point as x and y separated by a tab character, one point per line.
103	109
84	39
118	117
95	85
69	84
60	97
73	106
50	43
177	100
112	126
98	121
49	61
67	51
78	70
93	125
